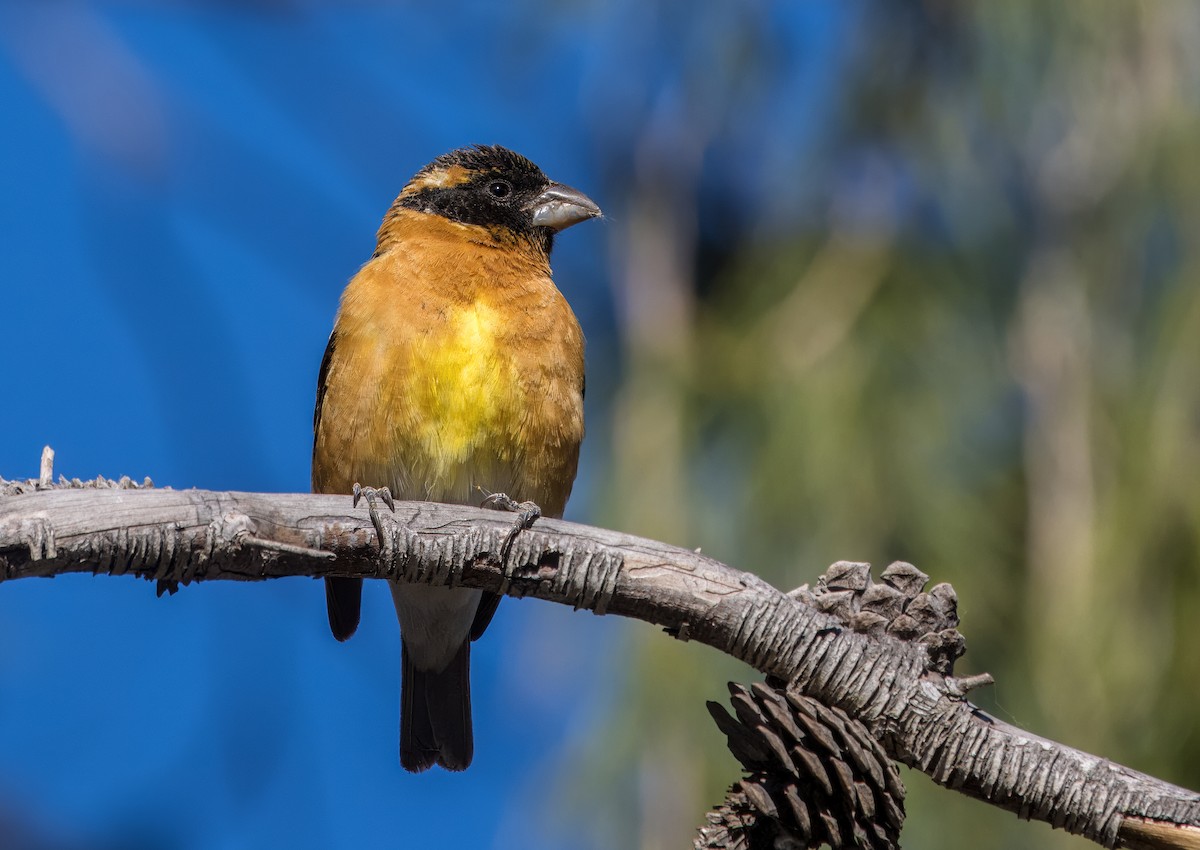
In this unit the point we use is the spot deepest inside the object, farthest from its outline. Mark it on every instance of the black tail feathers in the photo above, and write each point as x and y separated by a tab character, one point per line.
435	714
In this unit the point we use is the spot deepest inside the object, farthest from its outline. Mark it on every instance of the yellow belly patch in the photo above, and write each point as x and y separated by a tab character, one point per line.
468	395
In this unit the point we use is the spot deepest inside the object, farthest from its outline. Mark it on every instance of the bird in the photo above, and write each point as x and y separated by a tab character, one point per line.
455	368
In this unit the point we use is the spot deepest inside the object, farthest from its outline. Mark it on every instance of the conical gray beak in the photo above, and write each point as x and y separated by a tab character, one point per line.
559	206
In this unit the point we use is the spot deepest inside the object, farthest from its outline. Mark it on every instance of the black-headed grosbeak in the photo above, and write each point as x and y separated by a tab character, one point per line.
455	366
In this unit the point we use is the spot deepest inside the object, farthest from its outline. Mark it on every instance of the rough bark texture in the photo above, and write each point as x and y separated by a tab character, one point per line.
896	688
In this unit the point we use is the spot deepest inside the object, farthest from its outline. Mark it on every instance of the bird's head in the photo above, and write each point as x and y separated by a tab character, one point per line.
494	188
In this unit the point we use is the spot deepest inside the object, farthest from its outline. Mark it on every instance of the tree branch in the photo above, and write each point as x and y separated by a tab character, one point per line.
917	714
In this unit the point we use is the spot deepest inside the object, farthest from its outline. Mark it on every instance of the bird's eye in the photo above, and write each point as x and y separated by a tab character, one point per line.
500	188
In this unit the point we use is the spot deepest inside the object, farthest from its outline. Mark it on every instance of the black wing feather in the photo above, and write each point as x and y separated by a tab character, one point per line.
343	596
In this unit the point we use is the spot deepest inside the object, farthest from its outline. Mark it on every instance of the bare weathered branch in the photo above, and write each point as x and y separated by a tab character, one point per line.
892	686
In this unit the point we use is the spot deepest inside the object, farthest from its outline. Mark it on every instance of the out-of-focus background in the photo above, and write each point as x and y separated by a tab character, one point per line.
879	280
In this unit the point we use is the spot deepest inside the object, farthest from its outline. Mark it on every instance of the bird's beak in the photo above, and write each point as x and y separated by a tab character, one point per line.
559	206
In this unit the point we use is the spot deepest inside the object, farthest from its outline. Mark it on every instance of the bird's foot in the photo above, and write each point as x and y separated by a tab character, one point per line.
373	497
527	514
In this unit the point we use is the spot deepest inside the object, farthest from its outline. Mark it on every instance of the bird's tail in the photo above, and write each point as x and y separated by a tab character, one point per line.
343	599
435	714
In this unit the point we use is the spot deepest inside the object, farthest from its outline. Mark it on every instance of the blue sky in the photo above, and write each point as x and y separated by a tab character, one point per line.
186	189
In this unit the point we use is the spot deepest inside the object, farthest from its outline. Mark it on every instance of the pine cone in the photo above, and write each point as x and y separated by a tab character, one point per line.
897	606
814	776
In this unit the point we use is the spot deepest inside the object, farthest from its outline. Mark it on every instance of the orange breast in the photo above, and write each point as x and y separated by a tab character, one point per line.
456	365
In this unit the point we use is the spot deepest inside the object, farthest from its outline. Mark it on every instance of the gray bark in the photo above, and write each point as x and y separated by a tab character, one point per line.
919	716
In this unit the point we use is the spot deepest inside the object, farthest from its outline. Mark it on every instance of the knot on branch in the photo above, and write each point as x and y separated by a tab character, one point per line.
814	776
897	605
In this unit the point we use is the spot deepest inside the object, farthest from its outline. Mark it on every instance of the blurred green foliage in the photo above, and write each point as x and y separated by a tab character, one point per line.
980	354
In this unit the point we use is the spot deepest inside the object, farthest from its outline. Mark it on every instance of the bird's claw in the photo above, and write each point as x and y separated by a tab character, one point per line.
374	496
371	493
527	514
